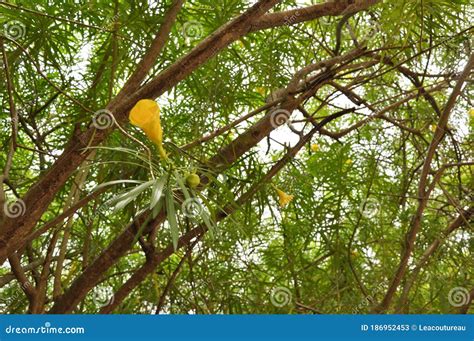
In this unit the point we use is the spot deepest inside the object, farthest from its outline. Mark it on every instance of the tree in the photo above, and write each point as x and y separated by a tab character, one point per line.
332	141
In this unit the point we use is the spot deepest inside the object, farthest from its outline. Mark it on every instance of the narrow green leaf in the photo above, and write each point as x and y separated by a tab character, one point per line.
171	214
140	230
157	208
130	194
121	204
181	185
209	223
157	191
109	183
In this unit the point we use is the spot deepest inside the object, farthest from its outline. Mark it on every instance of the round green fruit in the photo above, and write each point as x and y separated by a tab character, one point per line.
193	180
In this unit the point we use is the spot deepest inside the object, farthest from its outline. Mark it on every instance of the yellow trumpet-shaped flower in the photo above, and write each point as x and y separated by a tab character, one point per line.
283	198
260	90
146	115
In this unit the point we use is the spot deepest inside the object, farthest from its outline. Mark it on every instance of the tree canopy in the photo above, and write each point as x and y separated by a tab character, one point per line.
237	157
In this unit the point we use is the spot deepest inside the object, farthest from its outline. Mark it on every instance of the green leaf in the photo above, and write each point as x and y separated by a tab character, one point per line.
157	208
171	214
140	230
157	191
123	200
109	183
209	223
205	215
181	185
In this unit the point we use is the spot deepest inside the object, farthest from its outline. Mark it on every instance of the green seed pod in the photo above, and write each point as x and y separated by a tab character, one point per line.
193	180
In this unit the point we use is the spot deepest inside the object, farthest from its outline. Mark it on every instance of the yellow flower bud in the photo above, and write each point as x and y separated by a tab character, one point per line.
146	115
283	198
261	90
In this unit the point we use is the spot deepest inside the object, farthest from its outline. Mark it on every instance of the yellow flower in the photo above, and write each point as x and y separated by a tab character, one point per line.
146	115
314	147
471	113
283	198
348	161
260	90
433	127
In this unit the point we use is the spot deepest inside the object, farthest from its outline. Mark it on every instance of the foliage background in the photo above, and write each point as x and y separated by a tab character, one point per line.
335	248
